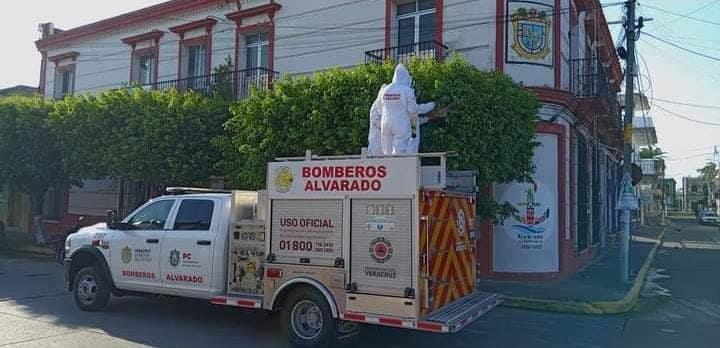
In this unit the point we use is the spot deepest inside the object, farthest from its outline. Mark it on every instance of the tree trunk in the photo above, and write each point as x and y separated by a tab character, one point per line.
37	203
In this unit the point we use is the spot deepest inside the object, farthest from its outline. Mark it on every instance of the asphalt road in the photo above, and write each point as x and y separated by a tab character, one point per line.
680	308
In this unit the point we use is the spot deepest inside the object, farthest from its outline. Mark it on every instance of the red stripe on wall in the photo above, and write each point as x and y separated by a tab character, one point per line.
557	47
500	35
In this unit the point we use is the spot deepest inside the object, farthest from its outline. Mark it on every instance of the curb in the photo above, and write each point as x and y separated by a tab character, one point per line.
623	305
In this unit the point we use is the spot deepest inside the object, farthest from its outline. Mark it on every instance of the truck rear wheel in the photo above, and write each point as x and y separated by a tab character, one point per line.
307	319
91	291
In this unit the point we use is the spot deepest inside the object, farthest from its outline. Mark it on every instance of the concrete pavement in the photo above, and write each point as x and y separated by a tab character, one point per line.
680	307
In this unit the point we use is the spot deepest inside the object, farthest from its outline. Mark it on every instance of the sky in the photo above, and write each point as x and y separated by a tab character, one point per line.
668	73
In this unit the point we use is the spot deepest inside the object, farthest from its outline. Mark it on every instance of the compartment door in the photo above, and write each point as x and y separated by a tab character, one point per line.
381	246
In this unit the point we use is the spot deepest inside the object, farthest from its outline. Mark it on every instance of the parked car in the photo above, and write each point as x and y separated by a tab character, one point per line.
708	217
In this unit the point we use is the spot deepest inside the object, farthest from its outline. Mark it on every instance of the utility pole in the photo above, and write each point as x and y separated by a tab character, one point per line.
627	132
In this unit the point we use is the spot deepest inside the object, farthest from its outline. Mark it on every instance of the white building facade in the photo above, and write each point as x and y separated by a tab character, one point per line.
560	49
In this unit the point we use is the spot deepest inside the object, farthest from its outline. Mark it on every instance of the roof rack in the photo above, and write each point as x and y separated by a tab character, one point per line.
191	190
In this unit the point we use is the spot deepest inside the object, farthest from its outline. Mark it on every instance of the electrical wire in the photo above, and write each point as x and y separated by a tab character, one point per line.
686	104
687	15
688	118
683	48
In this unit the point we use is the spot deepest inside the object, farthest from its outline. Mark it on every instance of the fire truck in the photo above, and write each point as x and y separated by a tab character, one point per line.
332	242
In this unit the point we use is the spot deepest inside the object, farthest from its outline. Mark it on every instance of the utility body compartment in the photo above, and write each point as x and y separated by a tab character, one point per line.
381	237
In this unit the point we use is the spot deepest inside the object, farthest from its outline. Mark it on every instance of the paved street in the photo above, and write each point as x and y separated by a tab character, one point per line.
680	307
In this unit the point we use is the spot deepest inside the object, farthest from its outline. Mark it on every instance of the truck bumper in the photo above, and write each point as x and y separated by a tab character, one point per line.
68	268
449	319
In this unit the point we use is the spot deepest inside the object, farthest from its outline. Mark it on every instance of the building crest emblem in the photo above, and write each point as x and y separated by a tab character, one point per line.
532	33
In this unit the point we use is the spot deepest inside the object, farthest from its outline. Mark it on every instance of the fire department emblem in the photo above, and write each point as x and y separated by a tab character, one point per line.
283	179
381	250
174	258
531	33
126	254
461	222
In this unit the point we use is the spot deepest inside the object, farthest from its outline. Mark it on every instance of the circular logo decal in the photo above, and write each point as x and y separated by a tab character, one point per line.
126	254
174	258
381	250
283	179
460	221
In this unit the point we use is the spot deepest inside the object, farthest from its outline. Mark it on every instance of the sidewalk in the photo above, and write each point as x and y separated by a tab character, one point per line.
598	282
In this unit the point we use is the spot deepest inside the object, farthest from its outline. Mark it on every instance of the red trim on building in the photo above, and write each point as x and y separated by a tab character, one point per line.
206	23
500	35
565	264
154	35
269	26
606	44
557	45
439	14
63	56
154	51
43	73
388	24
268	9
149	13
439	22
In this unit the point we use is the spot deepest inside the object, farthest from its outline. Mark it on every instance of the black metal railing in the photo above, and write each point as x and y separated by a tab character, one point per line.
237	83
427	49
588	79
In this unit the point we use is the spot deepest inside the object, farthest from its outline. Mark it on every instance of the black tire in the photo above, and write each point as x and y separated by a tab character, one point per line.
307	300
91	291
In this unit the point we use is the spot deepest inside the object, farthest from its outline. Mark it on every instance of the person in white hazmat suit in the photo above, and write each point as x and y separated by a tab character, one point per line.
397	106
374	139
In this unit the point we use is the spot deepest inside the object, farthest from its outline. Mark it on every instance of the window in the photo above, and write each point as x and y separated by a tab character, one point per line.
694	189
144	68
416	22
153	216
195	60
64	81
194	215
256	46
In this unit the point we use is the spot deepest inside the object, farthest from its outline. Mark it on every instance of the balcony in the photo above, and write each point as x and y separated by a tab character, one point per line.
589	83
401	54
236	83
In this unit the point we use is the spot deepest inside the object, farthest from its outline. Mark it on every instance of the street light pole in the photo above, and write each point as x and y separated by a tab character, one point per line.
627	132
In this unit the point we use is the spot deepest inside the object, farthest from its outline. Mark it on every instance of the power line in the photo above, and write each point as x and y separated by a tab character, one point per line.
682	48
686	104
688	118
689	157
687	15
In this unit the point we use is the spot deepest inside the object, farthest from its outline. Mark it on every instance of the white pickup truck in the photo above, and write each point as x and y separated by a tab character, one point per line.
332	242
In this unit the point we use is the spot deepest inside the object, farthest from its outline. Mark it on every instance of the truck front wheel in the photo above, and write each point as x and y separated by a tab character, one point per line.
308	320
91	291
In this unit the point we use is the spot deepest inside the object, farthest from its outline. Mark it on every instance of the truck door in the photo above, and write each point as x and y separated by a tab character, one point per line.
381	243
135	253
188	248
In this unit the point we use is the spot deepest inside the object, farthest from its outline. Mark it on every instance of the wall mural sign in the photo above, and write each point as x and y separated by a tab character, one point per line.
529	31
528	240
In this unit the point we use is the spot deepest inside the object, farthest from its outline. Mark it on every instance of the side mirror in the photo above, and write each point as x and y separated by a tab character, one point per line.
112	219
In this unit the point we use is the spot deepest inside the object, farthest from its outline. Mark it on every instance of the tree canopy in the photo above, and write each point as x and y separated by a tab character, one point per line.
30	156
490	123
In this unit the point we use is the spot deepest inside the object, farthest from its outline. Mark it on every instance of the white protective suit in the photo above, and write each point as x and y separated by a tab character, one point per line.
414	143
374	139
398	105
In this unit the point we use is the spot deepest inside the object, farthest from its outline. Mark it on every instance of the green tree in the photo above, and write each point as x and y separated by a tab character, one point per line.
491	121
651	152
708	172
161	138
31	160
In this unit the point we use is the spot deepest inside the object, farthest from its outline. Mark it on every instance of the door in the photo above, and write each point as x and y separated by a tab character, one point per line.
381	246
187	249
135	253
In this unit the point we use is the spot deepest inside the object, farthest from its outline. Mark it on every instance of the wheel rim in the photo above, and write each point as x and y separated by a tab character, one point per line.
306	320
87	289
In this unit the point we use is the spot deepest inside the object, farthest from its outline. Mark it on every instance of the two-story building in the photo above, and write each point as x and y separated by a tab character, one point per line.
560	49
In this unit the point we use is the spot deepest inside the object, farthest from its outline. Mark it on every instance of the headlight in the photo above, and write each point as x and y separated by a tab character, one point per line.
67	244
